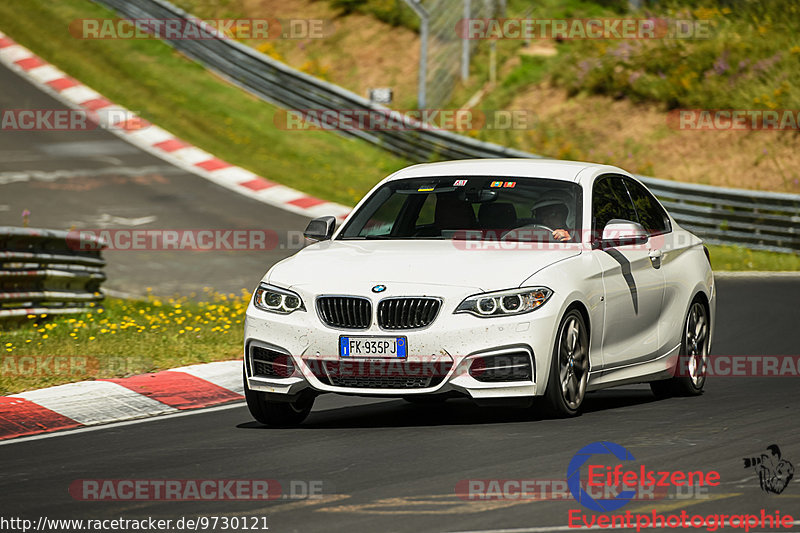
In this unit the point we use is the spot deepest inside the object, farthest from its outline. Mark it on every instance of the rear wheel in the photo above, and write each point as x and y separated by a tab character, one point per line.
690	372
277	414
569	368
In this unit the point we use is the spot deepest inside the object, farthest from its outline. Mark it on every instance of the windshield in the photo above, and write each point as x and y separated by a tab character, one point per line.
456	207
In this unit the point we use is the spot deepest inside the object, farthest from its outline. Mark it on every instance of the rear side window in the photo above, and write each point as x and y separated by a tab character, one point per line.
651	215
610	200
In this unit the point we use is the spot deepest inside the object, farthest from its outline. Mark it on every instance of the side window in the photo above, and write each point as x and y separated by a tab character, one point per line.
651	215
610	200
382	220
427	211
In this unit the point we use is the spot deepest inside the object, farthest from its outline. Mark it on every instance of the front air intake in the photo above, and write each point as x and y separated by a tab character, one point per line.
345	312
407	313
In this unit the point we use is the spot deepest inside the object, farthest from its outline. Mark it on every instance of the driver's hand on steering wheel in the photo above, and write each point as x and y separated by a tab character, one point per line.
561	235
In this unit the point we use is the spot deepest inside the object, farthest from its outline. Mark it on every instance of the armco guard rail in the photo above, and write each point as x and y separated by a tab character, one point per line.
41	271
753	219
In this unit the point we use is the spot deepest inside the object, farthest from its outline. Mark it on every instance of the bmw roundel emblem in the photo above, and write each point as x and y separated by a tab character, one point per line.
379	288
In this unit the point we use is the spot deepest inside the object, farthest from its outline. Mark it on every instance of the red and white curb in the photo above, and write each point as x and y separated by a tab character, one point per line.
92	403
157	141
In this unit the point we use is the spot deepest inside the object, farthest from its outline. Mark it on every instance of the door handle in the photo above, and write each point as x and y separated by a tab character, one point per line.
655	258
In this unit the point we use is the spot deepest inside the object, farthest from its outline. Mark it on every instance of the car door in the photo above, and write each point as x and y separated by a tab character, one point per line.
633	282
665	251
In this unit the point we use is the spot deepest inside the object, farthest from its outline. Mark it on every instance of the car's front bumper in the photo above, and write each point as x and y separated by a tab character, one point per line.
445	351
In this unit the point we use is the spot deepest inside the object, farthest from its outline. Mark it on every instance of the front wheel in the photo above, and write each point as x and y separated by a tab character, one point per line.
569	368
277	414
690	372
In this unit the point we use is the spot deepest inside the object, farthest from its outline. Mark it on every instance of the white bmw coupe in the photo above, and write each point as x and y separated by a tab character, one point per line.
498	280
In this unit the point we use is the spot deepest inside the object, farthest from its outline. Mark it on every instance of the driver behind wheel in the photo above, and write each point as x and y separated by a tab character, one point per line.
552	210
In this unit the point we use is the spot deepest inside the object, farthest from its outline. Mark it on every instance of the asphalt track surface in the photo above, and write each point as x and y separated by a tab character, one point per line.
95	180
384	465
391	466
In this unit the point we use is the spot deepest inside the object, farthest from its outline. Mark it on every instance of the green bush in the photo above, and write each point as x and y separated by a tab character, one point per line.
348	6
394	12
750	60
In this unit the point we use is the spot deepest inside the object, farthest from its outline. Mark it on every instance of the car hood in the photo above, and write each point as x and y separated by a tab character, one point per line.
338	265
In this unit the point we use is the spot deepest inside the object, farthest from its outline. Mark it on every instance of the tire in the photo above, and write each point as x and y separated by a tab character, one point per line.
277	414
569	367
690	372
662	389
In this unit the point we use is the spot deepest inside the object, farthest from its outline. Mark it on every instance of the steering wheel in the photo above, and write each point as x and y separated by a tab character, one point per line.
540	227
529	228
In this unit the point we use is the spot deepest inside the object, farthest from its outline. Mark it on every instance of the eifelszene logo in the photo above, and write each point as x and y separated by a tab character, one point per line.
574	476
612	479
774	472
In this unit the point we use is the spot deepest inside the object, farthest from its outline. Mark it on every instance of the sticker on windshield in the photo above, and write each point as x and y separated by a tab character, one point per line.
510	184
426	188
496	184
459	183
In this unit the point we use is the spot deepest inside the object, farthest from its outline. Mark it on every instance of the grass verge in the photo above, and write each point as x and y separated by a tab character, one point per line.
124	338
150	78
737	258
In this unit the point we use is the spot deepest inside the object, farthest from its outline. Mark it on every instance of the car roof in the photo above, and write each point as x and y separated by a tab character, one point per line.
533	168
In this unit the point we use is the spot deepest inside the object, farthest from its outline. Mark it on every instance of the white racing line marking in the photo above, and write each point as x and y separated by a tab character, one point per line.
16	176
106	220
433	504
85	149
292	505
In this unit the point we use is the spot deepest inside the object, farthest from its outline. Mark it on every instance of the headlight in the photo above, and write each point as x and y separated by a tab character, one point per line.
505	303
277	300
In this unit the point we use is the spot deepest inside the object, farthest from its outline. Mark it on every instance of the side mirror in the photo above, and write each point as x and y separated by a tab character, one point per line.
622	232
320	229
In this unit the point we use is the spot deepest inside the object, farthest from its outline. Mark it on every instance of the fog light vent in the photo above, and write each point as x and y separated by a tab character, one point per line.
514	366
271	364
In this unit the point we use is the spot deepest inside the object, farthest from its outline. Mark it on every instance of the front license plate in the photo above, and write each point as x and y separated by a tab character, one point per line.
389	347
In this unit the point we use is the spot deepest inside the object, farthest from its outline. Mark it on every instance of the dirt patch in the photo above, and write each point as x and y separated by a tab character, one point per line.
638	138
361	52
